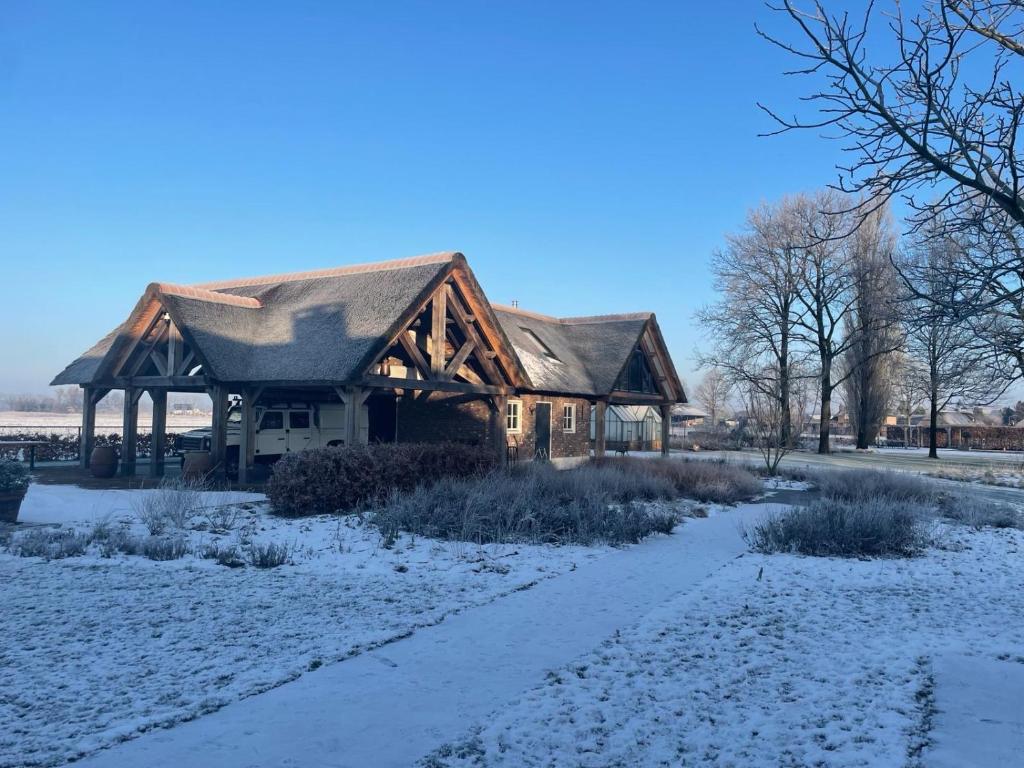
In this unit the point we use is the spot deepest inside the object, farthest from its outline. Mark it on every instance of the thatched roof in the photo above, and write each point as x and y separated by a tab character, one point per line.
328	326
583	355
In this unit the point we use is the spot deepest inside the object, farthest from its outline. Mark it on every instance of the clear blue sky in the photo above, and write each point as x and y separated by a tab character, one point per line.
586	157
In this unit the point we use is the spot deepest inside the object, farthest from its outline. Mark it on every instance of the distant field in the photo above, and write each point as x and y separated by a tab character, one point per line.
47	421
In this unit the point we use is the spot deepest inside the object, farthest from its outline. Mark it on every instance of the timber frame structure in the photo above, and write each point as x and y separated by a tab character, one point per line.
416	333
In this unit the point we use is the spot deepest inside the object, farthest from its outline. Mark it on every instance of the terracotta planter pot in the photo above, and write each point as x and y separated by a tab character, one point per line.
197	465
103	461
10	503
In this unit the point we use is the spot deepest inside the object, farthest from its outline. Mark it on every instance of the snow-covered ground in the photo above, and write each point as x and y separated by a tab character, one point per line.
777	661
46	421
96	650
674	652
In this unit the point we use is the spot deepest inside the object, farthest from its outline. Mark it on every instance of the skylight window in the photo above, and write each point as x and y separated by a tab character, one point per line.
543	348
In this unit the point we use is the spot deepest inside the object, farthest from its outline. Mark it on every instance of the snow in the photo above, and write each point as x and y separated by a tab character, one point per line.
69	504
684	650
979	719
46	422
391	706
97	650
778	660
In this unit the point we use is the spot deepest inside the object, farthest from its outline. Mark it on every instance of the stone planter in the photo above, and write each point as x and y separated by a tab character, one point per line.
10	504
197	465
103	461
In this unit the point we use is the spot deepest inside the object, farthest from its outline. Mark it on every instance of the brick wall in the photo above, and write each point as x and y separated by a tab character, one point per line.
975	438
466	419
443	417
563	444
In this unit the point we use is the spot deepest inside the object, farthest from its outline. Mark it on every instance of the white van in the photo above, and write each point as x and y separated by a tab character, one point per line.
281	428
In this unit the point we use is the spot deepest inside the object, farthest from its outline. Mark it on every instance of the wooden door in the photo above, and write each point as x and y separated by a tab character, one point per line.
542	431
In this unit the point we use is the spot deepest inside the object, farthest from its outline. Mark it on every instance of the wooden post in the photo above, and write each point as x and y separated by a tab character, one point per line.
219	428
158	438
666	428
129	440
439	311
499	428
247	443
599	409
354	398
88	436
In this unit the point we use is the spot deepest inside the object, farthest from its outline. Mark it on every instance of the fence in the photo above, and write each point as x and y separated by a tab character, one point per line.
64	442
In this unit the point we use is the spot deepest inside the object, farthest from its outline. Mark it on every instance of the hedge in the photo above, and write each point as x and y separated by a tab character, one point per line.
345	478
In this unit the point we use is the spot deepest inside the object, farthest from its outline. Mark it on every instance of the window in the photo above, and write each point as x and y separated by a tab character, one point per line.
637	375
272	420
298	420
543	348
568	418
513	413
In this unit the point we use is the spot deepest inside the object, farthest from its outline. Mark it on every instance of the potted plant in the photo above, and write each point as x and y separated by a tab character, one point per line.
14	481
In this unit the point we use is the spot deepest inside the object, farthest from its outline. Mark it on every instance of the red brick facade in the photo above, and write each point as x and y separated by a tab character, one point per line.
467	419
976	438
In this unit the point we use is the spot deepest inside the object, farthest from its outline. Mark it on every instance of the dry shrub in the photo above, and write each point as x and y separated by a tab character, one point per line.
978	513
869	484
535	503
716	482
883	526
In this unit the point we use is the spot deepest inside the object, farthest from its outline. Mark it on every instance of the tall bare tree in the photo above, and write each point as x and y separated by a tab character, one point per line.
942	114
752	325
945	347
713	393
873	333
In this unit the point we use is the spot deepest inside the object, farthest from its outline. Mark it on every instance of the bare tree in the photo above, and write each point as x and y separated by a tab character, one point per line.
942	115
713	394
824	299
908	381
757	275
872	329
956	366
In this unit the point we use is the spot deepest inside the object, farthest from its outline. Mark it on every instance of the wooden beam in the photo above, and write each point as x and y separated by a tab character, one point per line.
390	382
147	346
666	429
477	306
413	350
247	442
219	428
499	428
166	382
438	313
130	436
599	442
472	333
354	398
88	436
459	358
158	437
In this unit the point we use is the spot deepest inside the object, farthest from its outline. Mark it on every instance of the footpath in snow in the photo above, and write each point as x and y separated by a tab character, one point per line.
392	706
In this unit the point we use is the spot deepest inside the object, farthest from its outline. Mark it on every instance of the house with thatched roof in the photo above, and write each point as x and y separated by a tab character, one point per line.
411	349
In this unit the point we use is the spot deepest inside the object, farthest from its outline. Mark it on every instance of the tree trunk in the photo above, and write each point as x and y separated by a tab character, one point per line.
933	427
863	414
786	424
825	425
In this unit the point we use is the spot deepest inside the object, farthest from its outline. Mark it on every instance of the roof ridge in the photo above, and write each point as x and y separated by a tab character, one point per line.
583	320
352	269
524	312
202	294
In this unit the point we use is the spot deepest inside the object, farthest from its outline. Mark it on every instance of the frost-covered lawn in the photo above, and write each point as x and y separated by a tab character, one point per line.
97	649
777	661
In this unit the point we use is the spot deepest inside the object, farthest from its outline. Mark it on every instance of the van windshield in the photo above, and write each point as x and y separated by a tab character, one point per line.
235	416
